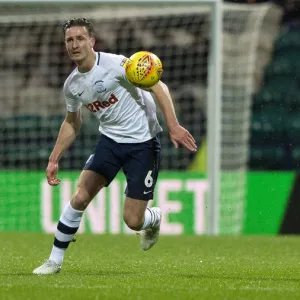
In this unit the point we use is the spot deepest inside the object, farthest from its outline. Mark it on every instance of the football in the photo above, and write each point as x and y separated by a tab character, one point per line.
144	69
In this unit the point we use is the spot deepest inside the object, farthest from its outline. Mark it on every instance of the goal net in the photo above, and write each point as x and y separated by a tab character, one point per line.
34	66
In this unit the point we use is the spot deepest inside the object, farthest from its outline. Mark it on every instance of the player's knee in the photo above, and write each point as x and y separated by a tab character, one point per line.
133	222
81	199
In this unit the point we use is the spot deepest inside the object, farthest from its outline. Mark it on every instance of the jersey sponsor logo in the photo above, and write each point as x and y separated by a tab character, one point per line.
100	88
98	105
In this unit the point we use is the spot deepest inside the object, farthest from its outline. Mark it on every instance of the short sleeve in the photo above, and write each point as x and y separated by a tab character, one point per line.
72	104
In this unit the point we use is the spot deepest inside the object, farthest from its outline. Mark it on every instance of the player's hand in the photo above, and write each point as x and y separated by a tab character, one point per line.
51	172
180	135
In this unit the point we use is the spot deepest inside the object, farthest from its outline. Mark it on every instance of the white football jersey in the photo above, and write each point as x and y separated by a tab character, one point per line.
126	113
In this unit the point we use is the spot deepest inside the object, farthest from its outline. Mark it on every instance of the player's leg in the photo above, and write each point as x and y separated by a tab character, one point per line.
89	184
141	218
141	167
99	170
136	214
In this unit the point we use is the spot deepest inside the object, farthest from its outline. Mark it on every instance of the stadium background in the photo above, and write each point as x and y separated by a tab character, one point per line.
34	66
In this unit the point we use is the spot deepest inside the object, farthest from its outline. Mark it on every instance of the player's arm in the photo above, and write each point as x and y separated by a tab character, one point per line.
178	134
66	136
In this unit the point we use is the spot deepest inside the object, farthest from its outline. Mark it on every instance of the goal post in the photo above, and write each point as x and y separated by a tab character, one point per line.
214	117
208	50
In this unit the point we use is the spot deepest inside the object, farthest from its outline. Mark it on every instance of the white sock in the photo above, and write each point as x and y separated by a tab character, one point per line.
66	228
57	255
151	218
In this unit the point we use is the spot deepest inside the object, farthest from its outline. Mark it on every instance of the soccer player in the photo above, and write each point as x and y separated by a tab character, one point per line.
129	139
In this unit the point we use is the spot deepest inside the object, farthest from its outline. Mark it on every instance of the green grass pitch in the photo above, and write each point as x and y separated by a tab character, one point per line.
181	267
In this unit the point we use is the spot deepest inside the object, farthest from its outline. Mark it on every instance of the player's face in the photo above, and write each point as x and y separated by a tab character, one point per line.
78	43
